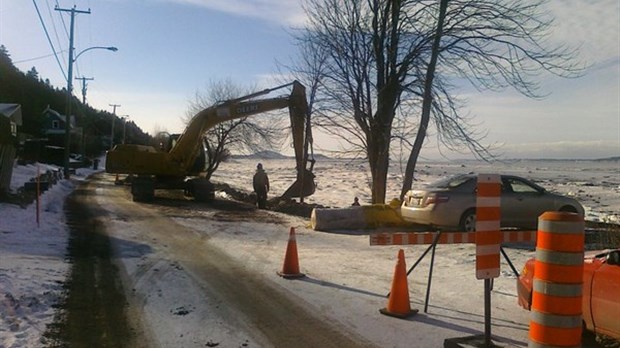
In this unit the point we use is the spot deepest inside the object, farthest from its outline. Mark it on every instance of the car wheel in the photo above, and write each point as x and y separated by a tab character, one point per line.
568	209
588	337
468	221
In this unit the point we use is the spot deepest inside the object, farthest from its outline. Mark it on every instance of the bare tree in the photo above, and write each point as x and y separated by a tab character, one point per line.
493	45
362	82
309	69
394	63
242	135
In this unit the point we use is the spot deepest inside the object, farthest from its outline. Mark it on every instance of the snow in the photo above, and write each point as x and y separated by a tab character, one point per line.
595	184
33	263
346	278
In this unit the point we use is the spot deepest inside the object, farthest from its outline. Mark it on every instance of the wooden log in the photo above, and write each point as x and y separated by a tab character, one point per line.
338	219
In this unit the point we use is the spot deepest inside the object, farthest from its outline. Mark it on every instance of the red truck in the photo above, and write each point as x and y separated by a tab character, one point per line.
601	291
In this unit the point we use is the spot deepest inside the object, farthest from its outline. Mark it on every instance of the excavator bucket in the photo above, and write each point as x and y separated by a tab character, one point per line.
300	125
303	187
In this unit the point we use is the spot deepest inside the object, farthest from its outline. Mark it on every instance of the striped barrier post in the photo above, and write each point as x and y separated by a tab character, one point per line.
421	238
488	237
556	311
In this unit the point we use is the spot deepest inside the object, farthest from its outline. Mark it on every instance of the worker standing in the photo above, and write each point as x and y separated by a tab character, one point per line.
261	186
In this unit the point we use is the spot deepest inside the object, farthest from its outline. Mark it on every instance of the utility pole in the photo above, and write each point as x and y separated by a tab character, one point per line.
124	117
69	86
84	79
114	106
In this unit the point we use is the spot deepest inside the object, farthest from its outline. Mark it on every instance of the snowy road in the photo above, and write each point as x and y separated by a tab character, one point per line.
205	275
345	285
190	293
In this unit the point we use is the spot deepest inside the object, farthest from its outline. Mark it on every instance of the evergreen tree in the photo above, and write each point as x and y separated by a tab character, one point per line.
5	59
33	74
35	94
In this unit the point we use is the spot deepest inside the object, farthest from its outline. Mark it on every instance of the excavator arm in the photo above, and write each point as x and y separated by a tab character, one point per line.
188	145
179	161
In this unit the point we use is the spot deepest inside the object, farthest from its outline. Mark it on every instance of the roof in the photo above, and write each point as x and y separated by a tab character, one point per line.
61	117
13	112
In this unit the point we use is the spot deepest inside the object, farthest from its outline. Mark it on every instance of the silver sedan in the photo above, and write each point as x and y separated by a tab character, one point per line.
451	203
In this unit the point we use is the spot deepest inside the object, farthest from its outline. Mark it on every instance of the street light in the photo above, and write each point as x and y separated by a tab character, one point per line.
109	48
69	92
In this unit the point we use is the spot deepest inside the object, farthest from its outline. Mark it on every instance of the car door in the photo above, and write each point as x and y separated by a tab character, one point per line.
521	203
605	301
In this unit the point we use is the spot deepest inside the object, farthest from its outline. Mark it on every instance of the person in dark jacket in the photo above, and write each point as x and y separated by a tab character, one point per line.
261	186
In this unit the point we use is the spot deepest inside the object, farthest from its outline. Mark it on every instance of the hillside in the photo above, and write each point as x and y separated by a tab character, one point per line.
35	94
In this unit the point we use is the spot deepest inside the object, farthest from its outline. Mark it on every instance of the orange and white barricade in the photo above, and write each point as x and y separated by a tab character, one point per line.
556	311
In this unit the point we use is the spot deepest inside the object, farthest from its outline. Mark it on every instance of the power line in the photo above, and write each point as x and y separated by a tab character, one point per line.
36	58
62	19
64	25
51	16
48	38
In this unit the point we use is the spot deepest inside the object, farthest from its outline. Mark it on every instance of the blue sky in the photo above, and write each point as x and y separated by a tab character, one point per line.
169	49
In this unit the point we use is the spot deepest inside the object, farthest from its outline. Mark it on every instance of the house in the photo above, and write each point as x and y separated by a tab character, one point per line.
50	148
54	124
10	118
54	131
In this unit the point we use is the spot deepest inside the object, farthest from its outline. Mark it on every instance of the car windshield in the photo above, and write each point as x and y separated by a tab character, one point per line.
451	182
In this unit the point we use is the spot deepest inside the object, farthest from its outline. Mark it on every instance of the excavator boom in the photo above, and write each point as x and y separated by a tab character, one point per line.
146	161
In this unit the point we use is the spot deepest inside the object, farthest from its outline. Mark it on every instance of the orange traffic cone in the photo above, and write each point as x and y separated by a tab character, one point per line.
398	303
290	270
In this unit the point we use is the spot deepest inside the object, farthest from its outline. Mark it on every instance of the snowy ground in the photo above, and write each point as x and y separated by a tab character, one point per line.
33	264
595	184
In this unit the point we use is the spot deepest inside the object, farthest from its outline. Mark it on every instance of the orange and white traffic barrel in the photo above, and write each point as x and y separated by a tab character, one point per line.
556	313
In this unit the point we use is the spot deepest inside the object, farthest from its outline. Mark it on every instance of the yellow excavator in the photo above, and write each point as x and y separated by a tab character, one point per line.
182	165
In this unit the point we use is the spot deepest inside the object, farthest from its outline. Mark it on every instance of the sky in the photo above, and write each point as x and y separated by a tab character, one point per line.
170	49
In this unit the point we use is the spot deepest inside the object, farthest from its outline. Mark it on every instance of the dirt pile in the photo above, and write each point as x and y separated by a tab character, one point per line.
282	205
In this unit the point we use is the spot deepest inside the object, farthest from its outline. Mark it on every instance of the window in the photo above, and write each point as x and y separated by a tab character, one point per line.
519	186
55	124
451	182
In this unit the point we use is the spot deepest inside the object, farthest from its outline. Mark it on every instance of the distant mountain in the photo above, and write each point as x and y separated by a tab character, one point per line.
611	159
606	159
321	156
272	155
263	155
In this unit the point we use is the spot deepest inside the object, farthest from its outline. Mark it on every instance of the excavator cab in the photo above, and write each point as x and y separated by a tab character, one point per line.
165	141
